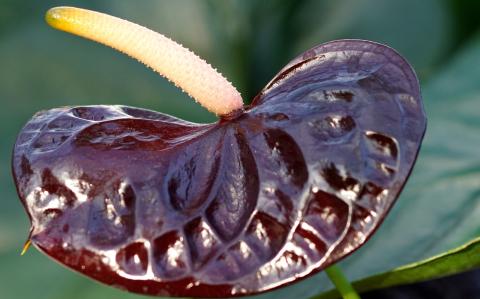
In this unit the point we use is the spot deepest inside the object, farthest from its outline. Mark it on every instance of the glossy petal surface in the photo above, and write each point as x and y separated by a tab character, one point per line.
300	179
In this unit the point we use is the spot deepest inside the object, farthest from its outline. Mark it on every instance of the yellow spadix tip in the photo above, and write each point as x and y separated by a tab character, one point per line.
55	17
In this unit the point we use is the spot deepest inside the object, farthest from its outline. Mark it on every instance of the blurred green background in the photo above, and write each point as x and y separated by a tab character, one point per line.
248	41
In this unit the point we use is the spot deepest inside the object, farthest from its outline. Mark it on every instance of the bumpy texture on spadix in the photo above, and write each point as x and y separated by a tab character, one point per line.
157	205
178	64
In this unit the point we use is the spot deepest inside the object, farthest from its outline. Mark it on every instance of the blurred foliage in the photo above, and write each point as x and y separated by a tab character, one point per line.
249	41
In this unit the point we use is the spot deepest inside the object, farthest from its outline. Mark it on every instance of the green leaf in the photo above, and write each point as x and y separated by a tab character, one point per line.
457	260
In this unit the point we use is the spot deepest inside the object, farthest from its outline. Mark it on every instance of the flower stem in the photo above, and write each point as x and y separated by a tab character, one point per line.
341	283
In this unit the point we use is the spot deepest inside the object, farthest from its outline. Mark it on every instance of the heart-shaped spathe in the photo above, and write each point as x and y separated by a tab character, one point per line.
157	205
